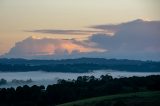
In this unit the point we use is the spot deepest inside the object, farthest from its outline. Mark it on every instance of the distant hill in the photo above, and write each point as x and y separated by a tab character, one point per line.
78	65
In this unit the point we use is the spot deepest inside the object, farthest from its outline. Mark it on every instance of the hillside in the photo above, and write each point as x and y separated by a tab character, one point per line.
78	65
129	99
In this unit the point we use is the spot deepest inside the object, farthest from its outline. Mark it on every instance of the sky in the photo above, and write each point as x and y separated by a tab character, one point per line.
71	26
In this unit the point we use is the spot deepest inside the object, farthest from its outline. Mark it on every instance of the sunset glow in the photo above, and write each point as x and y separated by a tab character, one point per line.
86	22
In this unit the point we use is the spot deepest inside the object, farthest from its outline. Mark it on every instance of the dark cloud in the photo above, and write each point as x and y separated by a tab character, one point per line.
133	39
65	32
136	24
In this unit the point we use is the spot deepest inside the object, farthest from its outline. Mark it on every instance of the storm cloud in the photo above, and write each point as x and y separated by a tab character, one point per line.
134	39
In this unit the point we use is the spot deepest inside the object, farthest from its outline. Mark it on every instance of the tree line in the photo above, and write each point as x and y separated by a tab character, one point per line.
78	65
71	90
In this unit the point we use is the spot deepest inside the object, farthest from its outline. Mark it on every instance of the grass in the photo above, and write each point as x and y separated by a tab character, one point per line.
129	99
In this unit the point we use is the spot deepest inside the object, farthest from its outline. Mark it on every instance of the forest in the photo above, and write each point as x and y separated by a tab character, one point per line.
81	88
79	65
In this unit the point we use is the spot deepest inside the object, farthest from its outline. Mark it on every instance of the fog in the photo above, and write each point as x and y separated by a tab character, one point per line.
48	78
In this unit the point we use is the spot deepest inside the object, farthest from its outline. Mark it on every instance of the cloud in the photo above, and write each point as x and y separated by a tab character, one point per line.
36	47
137	39
132	39
135	24
65	32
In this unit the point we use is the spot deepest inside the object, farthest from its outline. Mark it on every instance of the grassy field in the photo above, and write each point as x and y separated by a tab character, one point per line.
129	99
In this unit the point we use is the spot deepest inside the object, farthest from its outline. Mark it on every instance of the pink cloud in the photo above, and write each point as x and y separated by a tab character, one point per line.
48	46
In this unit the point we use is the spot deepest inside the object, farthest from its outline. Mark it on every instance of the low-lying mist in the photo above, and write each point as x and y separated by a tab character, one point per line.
15	79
